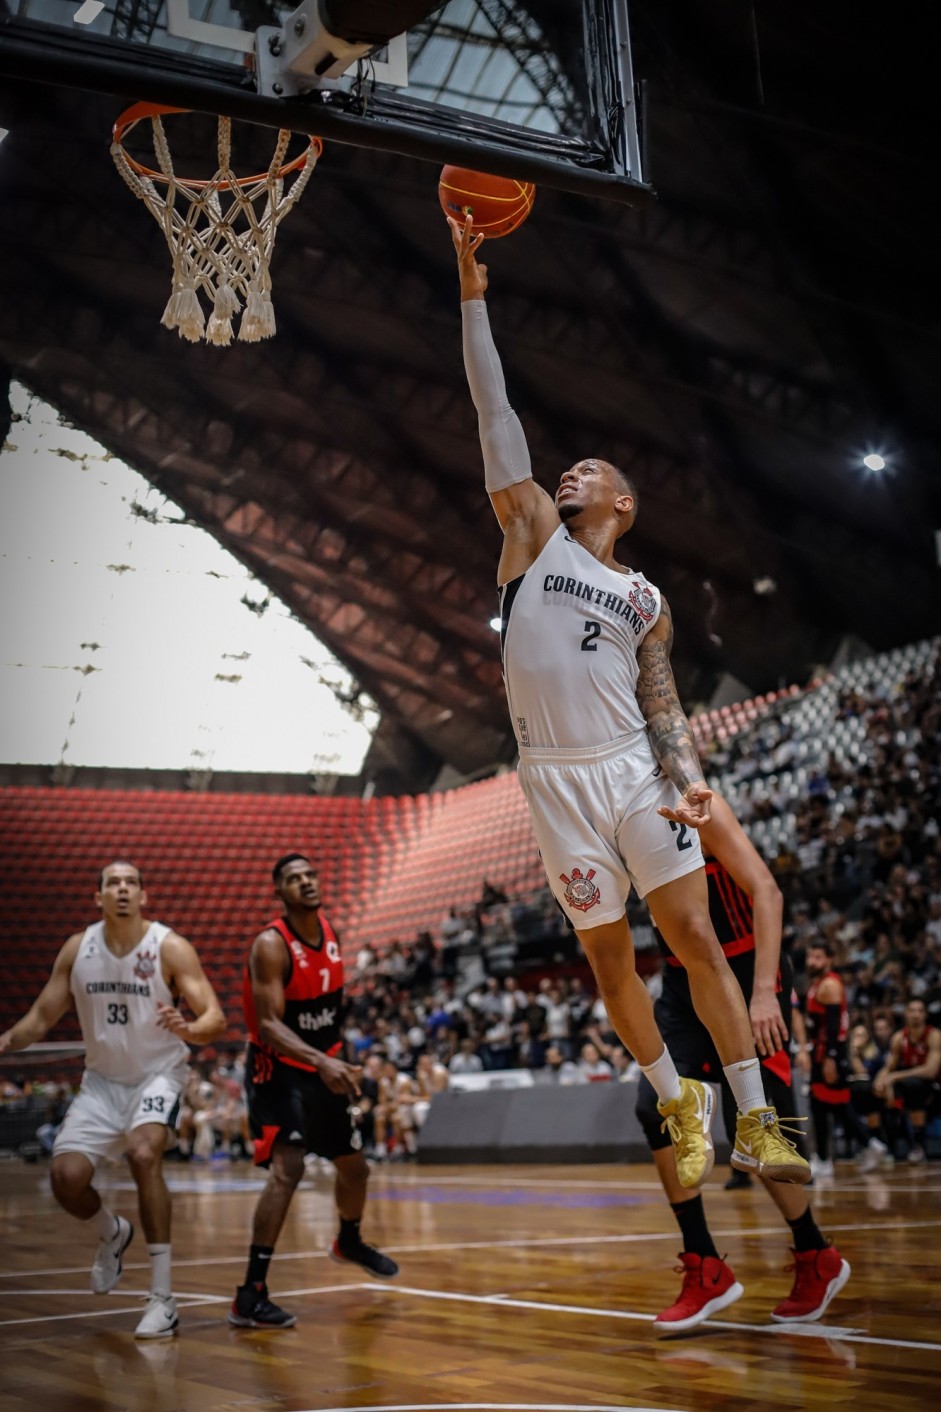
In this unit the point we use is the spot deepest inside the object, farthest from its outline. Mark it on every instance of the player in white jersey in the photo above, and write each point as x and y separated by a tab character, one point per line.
607	760
123	974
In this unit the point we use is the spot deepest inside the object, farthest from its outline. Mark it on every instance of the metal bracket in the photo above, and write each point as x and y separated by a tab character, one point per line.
296	57
302	55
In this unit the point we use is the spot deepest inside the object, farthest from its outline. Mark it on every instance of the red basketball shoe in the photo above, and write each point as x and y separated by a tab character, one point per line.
708	1286
819	1275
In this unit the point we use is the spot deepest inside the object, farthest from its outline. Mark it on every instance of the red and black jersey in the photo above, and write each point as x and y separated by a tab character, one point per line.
913	1053
817	1016
313	992
730	911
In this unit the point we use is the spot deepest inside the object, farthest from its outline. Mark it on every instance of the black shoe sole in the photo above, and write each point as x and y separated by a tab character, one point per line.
373	1274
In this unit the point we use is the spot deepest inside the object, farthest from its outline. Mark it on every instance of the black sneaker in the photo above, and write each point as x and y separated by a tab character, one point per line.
252	1309
357	1252
737	1181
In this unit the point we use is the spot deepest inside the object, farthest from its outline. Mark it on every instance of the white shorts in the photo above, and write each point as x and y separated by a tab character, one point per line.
594	814
103	1113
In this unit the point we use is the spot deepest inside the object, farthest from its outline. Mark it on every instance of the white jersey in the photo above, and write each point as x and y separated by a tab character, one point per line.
116	998
571	629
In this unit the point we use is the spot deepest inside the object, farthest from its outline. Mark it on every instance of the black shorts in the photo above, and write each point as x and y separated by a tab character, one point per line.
836	1094
291	1105
691	1046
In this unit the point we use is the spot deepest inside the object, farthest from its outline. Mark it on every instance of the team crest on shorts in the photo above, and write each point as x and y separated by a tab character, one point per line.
643	598
145	965
580	891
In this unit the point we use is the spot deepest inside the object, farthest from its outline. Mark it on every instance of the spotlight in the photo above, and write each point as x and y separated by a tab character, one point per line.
496	624
874	462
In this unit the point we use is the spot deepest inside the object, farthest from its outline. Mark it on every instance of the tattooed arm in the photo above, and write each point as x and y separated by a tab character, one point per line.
671	738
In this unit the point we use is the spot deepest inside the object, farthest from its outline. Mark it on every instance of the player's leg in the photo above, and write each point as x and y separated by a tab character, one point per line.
145	1149
342	1144
93	1129
251	1308
709	1284
820	1271
275	1097
666	867
915	1095
153	1117
680	909
687	1106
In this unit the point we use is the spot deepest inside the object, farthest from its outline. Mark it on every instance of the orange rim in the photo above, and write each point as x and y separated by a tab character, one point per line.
133	115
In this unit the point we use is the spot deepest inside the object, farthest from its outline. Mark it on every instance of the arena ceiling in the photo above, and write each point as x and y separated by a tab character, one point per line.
738	347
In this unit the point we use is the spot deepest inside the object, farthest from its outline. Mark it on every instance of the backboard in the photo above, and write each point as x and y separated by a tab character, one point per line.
542	91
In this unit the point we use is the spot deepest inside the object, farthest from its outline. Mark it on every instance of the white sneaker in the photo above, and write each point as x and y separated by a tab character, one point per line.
160	1318
917	1156
106	1271
819	1168
871	1156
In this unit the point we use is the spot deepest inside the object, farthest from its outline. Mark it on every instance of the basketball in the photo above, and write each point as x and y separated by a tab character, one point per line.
498	205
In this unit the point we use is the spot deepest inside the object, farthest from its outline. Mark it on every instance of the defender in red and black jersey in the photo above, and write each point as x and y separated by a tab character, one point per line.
908	1081
746	909
299	1088
827	1030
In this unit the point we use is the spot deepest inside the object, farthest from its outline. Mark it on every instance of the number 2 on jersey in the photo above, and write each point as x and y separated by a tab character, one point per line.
592	631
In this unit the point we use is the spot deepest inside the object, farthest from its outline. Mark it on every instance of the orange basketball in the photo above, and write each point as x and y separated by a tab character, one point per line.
498	205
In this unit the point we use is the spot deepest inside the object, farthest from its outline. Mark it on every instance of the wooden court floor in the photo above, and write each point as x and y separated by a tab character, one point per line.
520	1288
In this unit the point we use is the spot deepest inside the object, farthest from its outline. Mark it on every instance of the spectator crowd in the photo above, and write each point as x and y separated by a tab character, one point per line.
858	863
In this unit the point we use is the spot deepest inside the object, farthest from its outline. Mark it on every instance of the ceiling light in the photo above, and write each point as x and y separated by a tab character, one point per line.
874	462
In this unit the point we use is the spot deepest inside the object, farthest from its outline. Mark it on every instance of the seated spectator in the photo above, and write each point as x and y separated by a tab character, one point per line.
466	1060
560	1070
591	1065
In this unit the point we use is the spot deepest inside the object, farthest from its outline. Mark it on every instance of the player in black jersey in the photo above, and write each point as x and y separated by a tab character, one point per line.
299	1094
746	909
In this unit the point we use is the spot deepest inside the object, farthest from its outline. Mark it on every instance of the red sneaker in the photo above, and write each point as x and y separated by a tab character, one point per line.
819	1275
708	1286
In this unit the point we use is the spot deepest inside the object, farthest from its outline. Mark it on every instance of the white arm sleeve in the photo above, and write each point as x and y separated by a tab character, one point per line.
506	455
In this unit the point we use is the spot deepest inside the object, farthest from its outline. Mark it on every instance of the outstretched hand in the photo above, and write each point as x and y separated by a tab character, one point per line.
466	243
693	810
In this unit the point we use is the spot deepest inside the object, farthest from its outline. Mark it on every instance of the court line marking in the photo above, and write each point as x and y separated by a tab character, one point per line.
194	1301
502	1301
520	1243
806	1330
496	1407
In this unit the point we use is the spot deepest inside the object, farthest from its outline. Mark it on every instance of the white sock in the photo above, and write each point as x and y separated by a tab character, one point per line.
160	1270
662	1074
104	1222
747	1085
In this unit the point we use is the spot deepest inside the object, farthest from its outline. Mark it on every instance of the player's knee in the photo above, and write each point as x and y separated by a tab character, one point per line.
648	1117
699	950
287	1166
68	1179
143	1158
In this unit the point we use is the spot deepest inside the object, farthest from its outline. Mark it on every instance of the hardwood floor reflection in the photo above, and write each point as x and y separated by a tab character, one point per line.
524	1286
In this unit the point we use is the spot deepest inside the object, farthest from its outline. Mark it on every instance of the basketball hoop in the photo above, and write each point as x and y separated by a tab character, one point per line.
221	232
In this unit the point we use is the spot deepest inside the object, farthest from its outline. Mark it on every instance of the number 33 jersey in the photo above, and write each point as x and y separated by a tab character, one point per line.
570	629
116	998
313	992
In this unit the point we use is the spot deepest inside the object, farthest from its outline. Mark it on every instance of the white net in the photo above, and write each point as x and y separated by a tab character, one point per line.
220	232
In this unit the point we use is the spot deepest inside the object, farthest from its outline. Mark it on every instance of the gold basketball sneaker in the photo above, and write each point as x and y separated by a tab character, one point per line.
688	1119
762	1148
